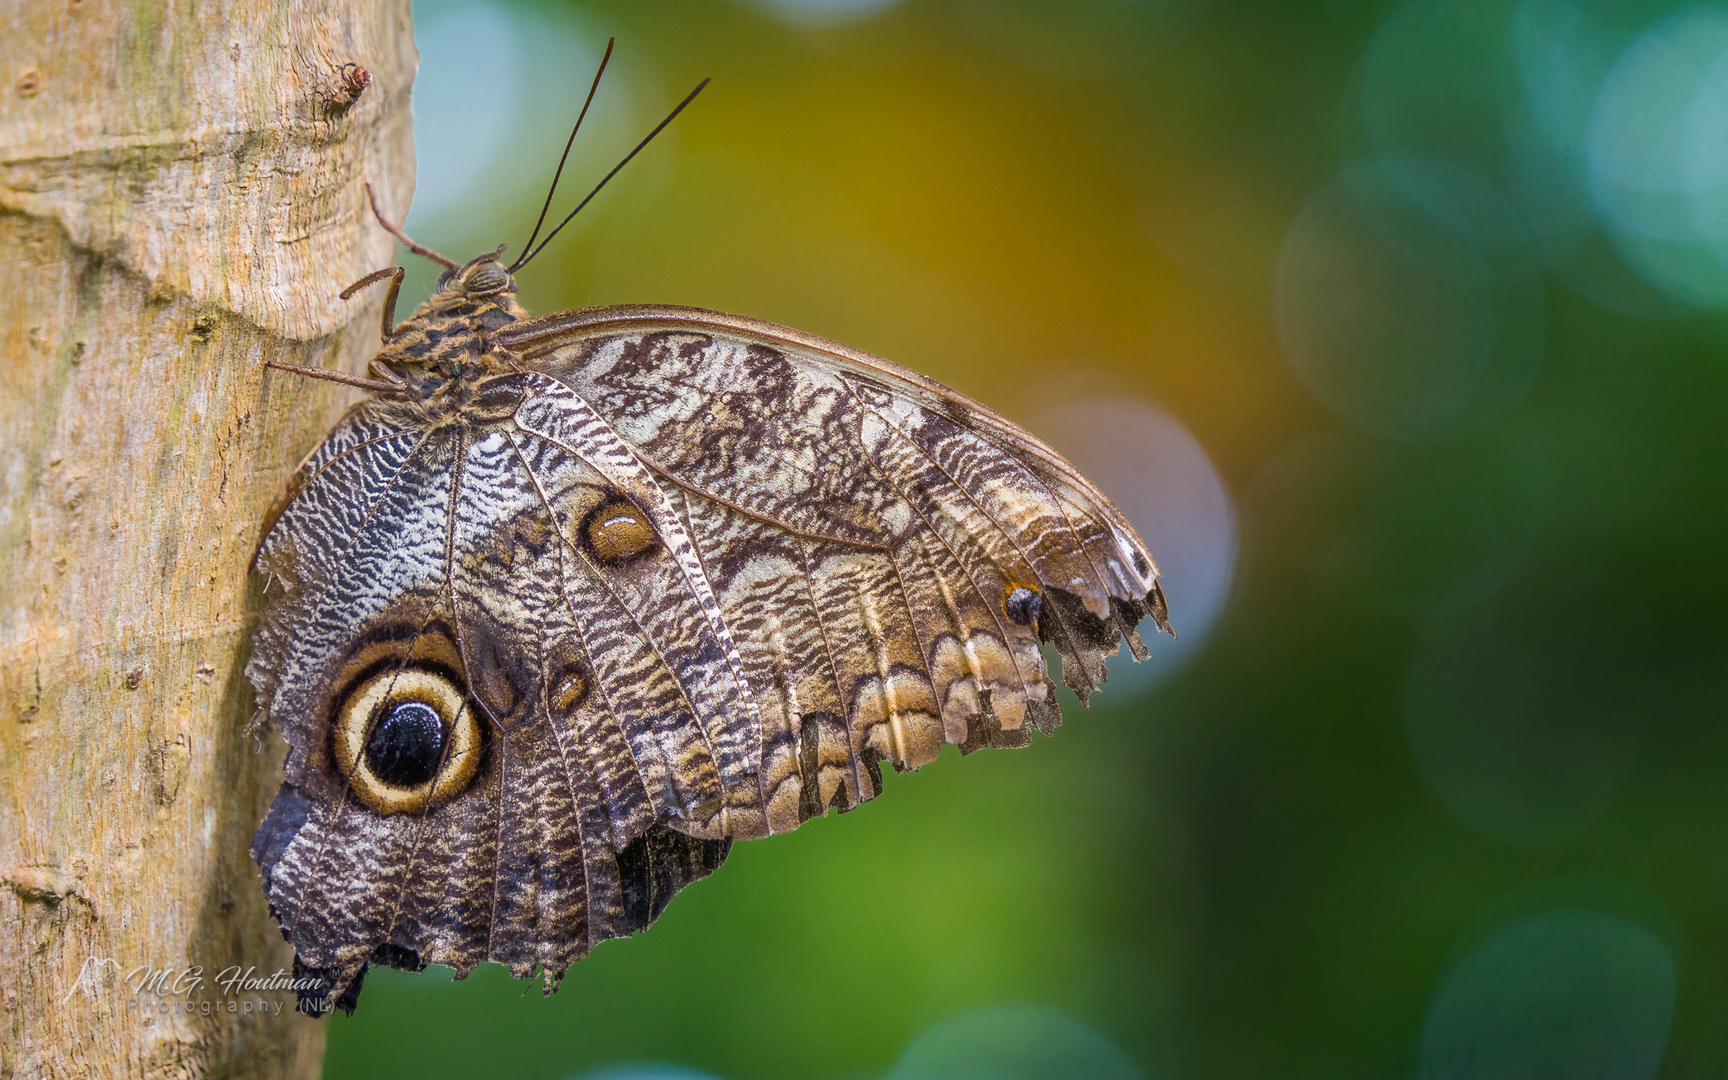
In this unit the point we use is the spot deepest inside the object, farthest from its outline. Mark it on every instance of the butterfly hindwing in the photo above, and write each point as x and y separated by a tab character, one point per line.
459	565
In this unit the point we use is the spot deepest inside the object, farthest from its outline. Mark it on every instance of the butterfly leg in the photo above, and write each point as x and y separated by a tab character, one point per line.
395	274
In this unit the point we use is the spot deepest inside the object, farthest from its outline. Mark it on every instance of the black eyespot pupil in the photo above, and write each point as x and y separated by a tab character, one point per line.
1024	605
406	744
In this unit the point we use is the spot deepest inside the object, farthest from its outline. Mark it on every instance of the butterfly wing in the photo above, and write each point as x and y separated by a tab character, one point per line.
886	554
686	579
422	564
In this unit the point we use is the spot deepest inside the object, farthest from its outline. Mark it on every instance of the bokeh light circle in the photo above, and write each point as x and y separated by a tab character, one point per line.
1562	52
1407	299
1658	155
648	1070
822	12
1570	994
1012	1042
1159	476
1514	718
1428	82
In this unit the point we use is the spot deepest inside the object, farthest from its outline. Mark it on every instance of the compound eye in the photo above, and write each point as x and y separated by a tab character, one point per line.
486	278
406	739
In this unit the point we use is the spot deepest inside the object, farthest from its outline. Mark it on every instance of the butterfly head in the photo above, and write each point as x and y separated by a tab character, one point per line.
480	279
479	294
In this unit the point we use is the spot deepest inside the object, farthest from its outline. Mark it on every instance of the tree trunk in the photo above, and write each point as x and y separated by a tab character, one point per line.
180	201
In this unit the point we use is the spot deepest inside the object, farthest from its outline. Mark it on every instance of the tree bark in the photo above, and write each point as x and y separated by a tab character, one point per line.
180	201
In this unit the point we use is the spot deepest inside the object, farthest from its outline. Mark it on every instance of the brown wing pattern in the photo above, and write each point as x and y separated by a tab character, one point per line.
835	445
684	580
452	561
886	555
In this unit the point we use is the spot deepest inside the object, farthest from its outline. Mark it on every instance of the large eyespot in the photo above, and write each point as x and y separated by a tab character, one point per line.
617	531
406	738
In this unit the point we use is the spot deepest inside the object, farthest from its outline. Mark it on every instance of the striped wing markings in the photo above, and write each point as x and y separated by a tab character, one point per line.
849	614
758	575
303	482
330	524
939	502
641	363
1017	562
758	639
991	484
827	741
627	822
555	880
551	335
863	628
686	772
342	562
983	673
434	904
626	814
720	782
652	383
312	876
499	731
562	418
957	707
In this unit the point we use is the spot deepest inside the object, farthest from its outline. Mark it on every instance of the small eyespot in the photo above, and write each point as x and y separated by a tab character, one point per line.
1023	605
618	531
405	739
570	692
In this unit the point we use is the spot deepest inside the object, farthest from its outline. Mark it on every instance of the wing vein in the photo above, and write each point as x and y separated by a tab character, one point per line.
930	527
642	631
318	474
1013	540
753	515
575	622
833	668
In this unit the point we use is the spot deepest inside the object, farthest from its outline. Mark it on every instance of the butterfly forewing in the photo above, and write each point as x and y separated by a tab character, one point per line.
831	443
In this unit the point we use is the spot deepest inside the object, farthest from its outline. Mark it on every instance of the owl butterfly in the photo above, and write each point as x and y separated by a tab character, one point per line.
571	603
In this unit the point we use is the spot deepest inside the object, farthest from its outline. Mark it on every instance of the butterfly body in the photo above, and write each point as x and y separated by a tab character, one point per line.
574	602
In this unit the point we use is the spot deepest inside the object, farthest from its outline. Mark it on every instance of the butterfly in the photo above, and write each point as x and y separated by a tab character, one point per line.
568	604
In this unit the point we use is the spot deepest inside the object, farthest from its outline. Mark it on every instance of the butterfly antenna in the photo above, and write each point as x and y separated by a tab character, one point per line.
650	138
566	156
423	252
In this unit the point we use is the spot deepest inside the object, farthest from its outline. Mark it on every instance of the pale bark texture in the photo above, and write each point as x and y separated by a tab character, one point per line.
180	201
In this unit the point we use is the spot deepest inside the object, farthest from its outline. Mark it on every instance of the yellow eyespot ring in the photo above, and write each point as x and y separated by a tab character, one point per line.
401	723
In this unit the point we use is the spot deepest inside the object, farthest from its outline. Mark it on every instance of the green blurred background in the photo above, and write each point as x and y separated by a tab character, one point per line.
1398	331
